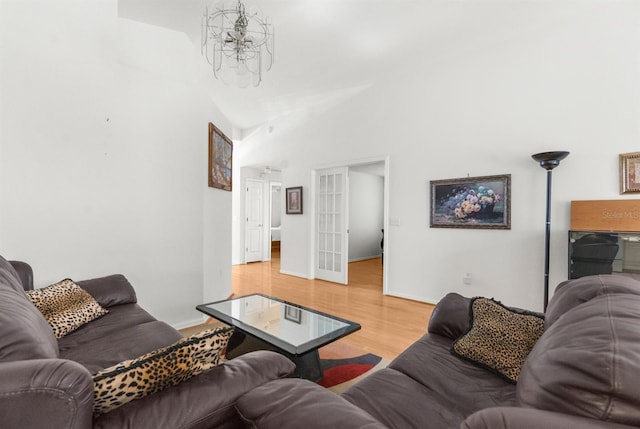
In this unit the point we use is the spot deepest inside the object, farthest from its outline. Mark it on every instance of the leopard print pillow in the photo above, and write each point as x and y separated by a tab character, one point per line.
499	339
65	306
159	369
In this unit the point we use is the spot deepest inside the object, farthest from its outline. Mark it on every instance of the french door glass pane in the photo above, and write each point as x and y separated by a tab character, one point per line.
322	224
338	183
330	223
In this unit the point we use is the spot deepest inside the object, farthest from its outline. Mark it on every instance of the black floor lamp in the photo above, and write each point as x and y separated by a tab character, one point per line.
548	161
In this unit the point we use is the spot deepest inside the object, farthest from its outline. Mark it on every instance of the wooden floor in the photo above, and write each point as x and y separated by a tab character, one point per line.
389	324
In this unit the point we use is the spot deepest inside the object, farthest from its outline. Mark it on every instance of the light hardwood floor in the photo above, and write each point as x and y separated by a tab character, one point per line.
389	324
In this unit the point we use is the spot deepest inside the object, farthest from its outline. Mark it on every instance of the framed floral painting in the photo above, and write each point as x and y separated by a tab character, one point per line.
471	202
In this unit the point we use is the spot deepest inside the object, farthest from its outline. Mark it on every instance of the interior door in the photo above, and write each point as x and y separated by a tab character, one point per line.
254	221
332	217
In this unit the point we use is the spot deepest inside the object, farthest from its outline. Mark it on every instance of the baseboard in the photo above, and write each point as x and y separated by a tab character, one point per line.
413	297
190	323
291	273
365	258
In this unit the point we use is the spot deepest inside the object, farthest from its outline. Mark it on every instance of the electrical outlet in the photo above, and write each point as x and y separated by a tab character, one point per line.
466	278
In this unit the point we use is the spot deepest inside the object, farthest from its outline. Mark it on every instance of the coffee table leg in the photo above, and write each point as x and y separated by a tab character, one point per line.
308	366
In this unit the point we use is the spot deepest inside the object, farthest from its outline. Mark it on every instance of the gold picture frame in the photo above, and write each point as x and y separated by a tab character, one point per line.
220	159
630	173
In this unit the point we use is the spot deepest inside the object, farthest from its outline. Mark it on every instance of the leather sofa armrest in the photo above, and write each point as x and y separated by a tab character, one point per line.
531	418
25	273
205	401
41	393
301	404
451	317
110	290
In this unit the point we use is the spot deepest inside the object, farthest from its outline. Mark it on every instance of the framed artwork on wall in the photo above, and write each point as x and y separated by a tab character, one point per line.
294	200
220	159
630	173
472	202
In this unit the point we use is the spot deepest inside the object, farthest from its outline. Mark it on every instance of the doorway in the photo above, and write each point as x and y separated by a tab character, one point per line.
254	221
275	222
363	226
257	208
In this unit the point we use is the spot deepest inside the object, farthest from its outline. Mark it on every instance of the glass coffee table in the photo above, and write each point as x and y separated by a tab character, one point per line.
266	323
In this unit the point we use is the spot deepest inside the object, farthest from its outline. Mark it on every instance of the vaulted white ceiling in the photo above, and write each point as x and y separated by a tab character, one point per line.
325	49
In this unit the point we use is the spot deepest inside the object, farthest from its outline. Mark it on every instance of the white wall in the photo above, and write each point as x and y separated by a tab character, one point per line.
366	215
103	143
539	76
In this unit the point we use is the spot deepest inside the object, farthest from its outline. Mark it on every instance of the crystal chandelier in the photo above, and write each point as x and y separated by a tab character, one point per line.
238	45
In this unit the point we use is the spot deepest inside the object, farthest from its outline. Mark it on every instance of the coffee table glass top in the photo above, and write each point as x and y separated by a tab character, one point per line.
290	327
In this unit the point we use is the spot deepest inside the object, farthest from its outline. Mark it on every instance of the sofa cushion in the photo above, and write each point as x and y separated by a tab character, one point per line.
587	364
427	373
571	293
159	369
296	403
24	333
65	306
499	338
129	326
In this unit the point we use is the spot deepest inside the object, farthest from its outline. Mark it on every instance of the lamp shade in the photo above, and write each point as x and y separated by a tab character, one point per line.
550	160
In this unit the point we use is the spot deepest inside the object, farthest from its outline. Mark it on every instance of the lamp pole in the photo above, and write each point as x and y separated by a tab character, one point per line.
548	161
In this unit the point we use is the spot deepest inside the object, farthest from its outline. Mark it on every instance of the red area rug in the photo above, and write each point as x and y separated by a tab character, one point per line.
342	365
338	371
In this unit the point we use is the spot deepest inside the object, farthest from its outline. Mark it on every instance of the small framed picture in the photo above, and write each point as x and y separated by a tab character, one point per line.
630	173
220	159
293	314
294	200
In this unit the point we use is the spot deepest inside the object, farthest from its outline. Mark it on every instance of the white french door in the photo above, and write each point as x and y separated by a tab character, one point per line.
254	221
332	221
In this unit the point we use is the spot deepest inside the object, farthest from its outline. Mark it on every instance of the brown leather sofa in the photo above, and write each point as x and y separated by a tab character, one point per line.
46	383
583	372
